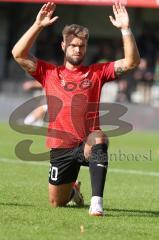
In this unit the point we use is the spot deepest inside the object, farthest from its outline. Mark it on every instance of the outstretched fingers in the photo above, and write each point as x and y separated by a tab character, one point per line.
52	7
118	8
47	8
54	19
122	8
115	9
43	7
45	16
112	19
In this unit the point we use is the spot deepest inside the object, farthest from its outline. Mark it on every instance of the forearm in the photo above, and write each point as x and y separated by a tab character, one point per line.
131	54
22	47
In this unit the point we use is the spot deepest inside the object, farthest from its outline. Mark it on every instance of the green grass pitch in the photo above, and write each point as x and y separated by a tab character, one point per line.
131	199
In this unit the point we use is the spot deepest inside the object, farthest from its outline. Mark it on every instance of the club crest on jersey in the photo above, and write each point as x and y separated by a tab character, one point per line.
85	84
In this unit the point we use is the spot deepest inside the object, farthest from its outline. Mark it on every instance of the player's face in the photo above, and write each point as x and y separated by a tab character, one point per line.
75	50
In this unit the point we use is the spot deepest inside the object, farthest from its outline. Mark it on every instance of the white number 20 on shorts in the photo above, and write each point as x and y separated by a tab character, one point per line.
54	173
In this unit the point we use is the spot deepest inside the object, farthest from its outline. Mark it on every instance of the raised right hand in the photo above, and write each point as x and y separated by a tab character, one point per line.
44	17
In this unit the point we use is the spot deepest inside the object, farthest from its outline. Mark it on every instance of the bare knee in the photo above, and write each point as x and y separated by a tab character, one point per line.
56	203
94	138
97	137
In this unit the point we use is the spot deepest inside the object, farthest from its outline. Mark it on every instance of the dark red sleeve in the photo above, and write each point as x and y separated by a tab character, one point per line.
105	71
43	71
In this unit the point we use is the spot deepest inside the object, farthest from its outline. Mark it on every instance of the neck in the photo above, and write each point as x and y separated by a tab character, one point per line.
71	67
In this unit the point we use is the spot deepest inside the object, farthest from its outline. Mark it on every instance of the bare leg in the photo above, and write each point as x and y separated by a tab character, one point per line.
35	115
59	195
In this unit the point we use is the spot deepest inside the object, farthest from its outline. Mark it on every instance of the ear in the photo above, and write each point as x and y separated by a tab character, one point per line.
63	45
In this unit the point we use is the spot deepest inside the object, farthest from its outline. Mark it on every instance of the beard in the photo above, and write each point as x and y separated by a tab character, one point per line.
74	61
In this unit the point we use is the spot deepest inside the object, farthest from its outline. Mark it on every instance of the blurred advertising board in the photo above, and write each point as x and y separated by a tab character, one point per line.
131	3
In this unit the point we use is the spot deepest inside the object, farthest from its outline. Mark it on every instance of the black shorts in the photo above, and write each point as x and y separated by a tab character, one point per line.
65	164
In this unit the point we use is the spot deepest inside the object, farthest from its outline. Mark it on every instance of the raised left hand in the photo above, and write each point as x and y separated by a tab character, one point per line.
44	17
121	19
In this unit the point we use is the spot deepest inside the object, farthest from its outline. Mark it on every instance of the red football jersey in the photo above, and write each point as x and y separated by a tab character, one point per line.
73	100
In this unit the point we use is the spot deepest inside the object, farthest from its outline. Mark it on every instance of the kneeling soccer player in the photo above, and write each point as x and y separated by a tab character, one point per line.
73	94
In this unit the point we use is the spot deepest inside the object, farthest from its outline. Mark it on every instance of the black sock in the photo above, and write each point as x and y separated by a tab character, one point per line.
98	168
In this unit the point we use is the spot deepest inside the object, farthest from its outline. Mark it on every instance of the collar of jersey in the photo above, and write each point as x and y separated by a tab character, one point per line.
76	70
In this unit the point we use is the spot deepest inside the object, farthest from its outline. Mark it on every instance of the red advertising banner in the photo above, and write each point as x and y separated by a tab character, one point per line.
133	3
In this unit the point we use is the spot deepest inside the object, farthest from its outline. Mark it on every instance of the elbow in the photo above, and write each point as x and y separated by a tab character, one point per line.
18	57
15	54
134	64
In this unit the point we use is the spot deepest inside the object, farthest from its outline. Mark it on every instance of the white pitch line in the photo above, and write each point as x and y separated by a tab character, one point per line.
125	171
14	161
113	170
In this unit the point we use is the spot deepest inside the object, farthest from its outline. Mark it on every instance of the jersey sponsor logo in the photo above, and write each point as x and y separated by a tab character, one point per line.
69	85
72	86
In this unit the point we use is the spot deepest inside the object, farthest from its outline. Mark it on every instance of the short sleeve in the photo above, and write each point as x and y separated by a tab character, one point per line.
105	71
43	71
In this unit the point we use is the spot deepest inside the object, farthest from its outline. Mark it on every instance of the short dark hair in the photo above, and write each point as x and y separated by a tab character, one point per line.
75	30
